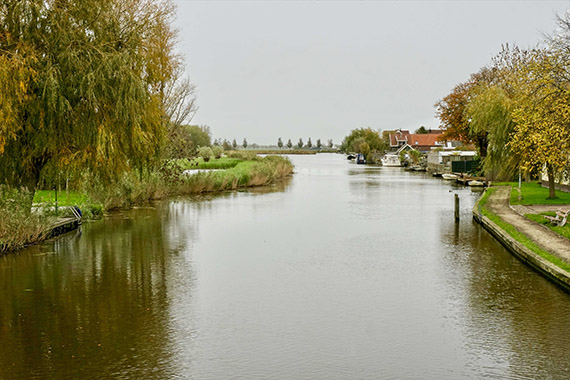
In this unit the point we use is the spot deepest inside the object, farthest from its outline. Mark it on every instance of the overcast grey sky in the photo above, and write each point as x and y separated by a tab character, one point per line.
268	69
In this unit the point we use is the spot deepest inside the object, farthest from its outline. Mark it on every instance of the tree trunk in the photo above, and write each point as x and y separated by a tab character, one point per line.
551	184
30	182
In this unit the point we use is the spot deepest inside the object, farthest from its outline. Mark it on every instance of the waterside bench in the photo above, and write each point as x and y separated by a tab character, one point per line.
560	219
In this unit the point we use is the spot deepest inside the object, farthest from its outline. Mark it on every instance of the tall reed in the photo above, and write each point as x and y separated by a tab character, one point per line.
19	226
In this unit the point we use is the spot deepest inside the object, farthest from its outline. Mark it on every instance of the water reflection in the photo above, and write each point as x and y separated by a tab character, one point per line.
341	272
508	314
72	305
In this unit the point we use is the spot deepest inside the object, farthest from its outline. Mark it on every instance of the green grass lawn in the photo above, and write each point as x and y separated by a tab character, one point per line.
534	194
64	198
539	218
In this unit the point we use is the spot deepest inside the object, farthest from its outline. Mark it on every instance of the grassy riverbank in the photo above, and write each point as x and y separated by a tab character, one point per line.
518	236
20	227
258	172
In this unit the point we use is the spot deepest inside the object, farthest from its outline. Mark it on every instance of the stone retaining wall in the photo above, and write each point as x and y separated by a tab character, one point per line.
552	272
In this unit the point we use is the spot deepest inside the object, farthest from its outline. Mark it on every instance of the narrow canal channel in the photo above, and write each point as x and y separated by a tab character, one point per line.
345	272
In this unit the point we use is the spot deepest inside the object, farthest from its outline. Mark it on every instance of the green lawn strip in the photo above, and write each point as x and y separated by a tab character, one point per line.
521	238
539	218
64	198
90	209
534	194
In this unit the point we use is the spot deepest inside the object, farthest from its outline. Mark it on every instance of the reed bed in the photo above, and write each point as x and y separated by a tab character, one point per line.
171	180
19	226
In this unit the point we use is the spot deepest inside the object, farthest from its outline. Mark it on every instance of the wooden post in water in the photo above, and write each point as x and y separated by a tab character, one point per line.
55	189
456	208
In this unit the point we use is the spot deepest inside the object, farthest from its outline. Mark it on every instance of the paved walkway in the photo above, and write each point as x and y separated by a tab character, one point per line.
498	204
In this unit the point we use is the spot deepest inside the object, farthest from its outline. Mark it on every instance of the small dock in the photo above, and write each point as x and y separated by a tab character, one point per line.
66	224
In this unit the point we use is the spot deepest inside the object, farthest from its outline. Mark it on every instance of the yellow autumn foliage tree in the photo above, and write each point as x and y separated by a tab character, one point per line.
542	115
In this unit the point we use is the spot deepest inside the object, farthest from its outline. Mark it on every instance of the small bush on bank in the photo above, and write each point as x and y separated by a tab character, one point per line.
205	152
217	151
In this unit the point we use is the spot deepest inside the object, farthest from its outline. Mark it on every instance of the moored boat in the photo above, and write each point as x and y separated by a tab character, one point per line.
449	176
390	160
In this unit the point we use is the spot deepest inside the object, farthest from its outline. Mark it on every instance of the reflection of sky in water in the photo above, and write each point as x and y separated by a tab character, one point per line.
344	272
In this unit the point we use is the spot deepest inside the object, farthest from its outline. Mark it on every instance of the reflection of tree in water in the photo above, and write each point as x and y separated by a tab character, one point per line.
513	319
95	305
98	304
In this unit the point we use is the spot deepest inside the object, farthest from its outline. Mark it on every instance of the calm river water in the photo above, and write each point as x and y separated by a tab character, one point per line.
344	272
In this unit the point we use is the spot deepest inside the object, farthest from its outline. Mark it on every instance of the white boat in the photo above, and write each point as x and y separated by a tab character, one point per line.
449	176
475	183
391	160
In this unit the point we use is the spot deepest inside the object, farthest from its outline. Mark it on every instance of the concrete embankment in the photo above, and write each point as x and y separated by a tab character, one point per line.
546	239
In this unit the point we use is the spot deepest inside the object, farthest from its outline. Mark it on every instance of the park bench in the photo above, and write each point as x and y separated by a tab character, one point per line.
560	219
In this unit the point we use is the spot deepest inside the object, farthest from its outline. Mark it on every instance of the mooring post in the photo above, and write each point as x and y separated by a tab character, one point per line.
456	208
55	189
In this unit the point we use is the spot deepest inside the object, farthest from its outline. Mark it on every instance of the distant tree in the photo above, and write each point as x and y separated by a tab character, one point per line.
280	143
234	144
244	144
300	143
421	130
200	135
184	140
330	143
205	152
289	144
319	143
352	142
217	151
309	143
226	145
216	142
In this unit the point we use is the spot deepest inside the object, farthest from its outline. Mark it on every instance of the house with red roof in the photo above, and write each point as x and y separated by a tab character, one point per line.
424	142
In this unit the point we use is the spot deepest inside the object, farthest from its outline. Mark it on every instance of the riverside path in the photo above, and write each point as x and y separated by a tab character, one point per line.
498	204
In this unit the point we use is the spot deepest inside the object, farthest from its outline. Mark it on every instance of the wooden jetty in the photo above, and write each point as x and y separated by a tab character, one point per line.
66	224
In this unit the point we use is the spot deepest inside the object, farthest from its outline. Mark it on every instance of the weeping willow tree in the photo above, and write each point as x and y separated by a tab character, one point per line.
490	111
82	85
